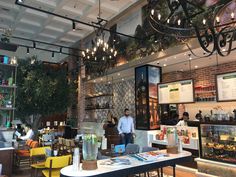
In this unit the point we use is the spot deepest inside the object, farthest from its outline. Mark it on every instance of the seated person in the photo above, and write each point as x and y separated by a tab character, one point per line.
29	133
18	131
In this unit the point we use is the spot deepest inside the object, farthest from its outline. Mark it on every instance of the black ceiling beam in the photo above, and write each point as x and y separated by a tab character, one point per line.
73	20
42	42
55	51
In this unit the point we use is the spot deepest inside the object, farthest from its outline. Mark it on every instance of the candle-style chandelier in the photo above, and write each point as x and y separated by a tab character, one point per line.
101	55
212	22
101	51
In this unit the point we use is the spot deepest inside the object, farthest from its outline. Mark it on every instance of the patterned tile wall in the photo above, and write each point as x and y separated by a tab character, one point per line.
124	97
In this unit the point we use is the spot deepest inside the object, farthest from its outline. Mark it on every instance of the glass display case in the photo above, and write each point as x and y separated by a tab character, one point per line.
218	141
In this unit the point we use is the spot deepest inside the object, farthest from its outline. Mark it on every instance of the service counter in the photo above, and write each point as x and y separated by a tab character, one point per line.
6	151
6	159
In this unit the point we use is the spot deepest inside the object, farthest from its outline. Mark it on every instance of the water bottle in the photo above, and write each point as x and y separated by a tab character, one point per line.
180	146
76	160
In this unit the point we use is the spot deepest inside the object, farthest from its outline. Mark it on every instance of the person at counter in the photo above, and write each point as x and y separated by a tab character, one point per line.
183	121
29	133
126	127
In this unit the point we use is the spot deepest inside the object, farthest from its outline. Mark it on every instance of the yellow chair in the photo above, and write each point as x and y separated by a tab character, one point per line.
37	153
55	164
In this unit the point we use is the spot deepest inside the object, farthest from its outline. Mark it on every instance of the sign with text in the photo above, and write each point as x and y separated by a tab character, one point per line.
226	86
176	92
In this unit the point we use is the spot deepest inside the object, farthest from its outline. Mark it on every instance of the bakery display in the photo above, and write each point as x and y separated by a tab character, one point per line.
218	142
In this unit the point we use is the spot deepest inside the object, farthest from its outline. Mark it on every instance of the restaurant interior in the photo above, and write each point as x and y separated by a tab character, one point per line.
100	88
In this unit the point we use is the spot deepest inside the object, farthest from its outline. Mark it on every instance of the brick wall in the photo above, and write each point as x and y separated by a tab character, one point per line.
203	76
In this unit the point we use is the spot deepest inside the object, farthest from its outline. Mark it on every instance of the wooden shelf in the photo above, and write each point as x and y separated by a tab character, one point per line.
103	95
87	109
7	86
209	91
7	109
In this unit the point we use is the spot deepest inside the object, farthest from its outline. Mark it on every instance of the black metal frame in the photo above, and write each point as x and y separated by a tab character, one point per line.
175	82
221	36
217	94
200	139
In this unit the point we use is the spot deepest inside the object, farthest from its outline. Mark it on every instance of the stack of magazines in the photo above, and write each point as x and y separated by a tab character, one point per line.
148	156
116	161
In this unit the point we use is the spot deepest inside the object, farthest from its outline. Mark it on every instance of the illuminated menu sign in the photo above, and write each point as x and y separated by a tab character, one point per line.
226	86
176	92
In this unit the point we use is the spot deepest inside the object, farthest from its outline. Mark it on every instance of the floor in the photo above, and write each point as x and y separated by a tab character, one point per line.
25	172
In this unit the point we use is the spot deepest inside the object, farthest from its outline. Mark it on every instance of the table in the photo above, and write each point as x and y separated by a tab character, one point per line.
125	170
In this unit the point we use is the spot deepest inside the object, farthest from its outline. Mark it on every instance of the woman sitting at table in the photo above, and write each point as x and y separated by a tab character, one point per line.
29	133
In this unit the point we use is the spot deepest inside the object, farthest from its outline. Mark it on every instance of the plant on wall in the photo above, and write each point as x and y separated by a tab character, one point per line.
42	90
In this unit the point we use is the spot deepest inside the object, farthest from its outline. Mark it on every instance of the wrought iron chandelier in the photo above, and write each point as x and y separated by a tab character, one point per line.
101	55
100	51
212	22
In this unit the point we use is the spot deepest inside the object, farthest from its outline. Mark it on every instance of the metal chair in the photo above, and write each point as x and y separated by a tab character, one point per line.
47	140
37	156
132	148
54	164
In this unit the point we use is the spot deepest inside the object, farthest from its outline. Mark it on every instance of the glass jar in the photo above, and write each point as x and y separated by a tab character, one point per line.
172	139
90	147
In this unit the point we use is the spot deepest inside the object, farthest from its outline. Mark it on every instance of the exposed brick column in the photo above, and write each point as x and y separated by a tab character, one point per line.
81	99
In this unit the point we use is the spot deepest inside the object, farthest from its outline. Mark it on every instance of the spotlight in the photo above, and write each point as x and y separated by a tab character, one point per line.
73	25
20	1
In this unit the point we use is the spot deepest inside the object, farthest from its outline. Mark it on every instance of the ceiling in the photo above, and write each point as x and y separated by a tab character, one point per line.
36	25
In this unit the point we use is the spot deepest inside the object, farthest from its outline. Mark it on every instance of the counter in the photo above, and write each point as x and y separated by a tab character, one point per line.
211	168
6	159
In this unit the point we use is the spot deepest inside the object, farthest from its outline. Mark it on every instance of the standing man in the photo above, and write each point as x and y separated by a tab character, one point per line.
126	128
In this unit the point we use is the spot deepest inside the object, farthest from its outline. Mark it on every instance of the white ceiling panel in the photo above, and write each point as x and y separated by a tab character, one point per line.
37	25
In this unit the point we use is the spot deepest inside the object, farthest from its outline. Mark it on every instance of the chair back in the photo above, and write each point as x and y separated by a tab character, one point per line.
47	137
61	140
67	142
58	162
132	148
39	151
148	149
28	142
34	144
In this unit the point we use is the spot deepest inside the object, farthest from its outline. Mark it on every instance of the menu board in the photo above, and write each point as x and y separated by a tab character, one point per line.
226	86
176	92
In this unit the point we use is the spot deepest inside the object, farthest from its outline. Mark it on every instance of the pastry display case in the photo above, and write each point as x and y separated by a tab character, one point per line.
218	142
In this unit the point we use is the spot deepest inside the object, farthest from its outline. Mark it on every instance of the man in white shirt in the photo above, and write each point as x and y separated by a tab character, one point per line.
184	120
126	128
29	133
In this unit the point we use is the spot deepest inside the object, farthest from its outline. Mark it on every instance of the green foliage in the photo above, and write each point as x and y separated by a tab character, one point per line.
42	90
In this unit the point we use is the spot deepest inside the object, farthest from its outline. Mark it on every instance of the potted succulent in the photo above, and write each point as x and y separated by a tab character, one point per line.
90	151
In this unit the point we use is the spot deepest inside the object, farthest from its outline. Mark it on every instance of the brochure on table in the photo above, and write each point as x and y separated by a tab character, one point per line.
176	92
